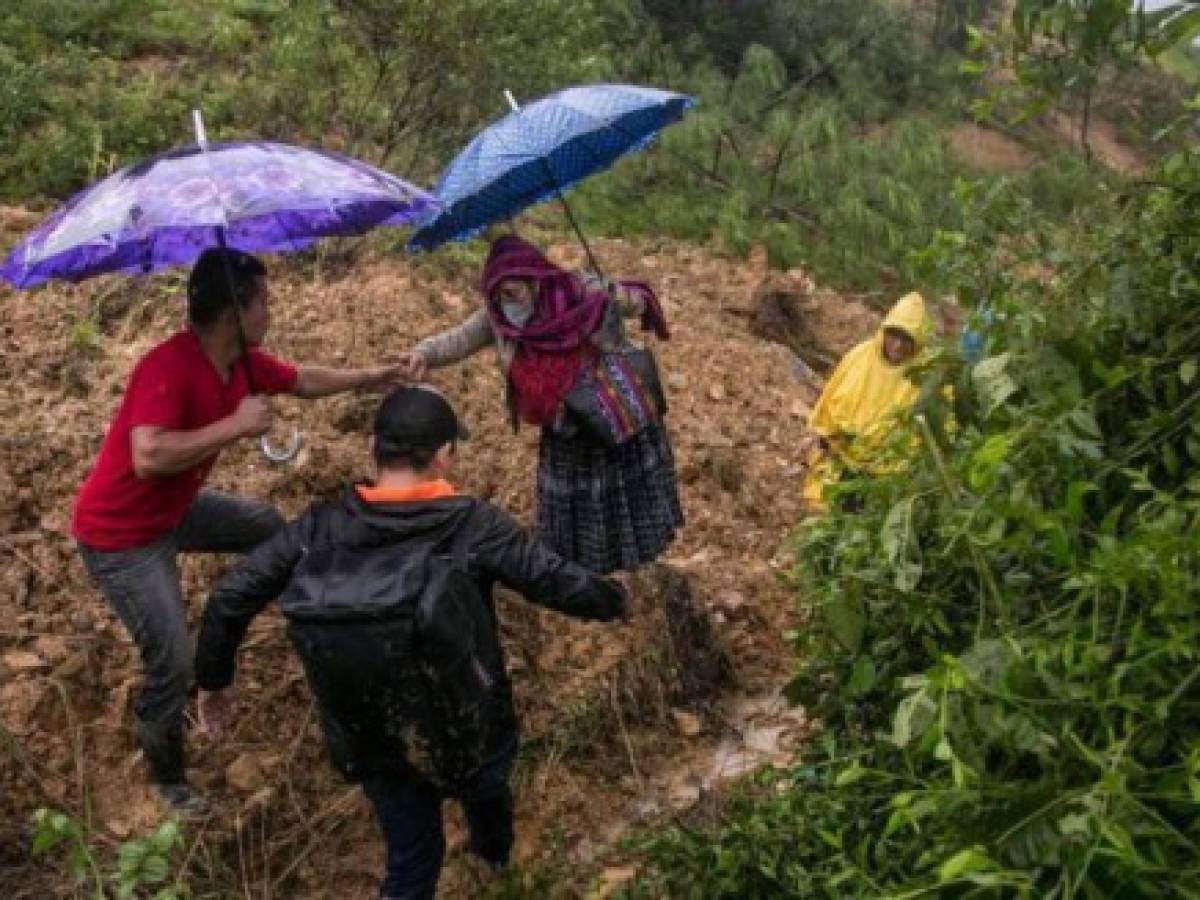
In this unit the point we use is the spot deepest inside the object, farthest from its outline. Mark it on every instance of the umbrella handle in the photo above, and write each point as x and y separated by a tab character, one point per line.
285	454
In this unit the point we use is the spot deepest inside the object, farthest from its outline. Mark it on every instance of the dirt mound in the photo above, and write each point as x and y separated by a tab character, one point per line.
1103	141
609	711
817	331
987	149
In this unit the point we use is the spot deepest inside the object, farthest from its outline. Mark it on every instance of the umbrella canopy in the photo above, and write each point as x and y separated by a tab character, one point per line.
537	151
165	210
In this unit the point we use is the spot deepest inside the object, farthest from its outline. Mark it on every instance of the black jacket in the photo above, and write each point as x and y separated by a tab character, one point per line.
497	550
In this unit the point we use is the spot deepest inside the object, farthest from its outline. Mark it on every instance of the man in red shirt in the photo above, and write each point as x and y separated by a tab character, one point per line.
142	503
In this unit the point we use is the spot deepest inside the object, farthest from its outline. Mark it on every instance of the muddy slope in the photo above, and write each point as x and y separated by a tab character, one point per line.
622	724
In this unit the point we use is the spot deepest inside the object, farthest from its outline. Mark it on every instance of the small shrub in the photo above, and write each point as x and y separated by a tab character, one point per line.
140	866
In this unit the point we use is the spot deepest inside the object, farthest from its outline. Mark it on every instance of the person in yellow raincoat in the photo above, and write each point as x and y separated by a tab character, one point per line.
862	397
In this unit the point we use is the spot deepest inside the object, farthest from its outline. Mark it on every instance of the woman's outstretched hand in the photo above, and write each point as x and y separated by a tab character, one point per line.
413	367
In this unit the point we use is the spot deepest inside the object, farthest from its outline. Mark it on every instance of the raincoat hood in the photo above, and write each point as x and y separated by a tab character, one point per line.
865	390
908	315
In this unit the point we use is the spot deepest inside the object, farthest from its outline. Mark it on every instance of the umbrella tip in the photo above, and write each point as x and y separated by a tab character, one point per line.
512	101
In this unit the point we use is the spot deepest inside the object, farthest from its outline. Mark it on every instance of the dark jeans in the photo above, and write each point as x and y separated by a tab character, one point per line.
410	816
142	586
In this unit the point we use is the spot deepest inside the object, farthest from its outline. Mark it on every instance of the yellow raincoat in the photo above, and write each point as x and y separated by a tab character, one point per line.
855	411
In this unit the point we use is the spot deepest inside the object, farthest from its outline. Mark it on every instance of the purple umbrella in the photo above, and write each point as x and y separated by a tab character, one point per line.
254	196
166	210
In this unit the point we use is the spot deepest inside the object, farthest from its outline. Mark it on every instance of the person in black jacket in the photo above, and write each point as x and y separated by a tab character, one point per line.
410	508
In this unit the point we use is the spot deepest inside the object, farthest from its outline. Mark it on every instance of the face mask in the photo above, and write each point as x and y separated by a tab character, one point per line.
518	314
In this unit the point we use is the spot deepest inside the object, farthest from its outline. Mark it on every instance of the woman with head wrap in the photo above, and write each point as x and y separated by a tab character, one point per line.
607	503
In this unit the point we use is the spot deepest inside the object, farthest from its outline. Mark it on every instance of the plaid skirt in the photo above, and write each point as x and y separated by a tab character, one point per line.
608	508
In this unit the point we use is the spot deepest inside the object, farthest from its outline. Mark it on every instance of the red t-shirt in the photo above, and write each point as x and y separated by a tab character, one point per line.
174	386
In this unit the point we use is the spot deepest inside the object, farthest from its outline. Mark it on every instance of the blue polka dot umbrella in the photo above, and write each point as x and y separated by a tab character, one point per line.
538	151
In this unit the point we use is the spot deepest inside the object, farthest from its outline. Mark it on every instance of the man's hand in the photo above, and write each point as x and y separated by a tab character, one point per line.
215	711
253	416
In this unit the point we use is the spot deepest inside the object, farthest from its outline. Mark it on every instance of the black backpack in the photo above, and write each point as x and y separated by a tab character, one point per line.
398	646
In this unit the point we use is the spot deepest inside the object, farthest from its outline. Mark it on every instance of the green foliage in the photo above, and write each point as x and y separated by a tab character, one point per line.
1003	634
85	335
815	143
407	82
111	25
1067	190
91	86
141	866
819	43
146	863
1183	61
824	183
56	830
1063	51
88	86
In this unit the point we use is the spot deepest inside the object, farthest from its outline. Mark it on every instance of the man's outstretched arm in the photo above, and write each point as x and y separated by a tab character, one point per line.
525	564
322	381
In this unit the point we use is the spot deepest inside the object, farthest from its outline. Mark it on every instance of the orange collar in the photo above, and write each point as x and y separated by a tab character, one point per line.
425	490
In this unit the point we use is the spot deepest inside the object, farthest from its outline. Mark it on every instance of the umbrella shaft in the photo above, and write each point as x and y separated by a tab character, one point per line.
571	218
237	313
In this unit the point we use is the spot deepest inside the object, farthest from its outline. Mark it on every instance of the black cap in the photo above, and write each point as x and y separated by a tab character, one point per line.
417	417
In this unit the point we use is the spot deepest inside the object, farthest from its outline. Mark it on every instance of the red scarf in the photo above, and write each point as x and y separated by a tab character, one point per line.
541	381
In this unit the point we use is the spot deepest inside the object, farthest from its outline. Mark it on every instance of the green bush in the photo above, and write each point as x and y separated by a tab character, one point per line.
86	87
1003	638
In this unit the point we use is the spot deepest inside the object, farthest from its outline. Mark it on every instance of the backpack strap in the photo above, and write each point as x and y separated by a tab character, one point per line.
460	549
